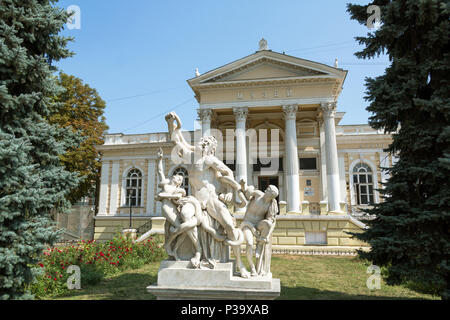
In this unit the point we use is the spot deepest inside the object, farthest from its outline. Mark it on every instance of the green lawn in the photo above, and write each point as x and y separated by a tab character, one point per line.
302	277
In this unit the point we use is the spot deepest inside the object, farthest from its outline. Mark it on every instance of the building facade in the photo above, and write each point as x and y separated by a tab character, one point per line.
276	120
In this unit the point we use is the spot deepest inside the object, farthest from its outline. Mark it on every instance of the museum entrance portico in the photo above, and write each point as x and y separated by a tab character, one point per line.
269	90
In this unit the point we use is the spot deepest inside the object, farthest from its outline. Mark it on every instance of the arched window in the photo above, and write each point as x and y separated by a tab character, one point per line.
182	172
363	184
134	188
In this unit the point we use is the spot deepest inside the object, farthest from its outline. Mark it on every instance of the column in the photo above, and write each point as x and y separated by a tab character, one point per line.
151	187
205	118
329	110
292	162
104	182
323	169
241	149
114	198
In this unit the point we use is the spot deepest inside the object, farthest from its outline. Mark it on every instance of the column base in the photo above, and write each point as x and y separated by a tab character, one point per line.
283	207
323	207
305	208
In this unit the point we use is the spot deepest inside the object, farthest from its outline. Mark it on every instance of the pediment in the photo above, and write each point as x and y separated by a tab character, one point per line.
266	65
265	69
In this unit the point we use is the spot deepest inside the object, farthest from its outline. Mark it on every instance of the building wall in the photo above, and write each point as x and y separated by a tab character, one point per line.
355	144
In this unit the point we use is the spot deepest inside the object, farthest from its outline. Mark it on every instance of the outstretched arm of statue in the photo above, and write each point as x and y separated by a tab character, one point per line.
248	191
175	133
161	176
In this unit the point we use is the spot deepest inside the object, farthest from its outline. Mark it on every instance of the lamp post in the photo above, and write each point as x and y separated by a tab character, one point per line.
129	201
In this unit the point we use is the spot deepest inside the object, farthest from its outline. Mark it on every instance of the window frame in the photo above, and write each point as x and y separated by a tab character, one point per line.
138	196
363	189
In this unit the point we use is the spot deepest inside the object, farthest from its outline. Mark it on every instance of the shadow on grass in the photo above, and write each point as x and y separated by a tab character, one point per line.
128	286
304	293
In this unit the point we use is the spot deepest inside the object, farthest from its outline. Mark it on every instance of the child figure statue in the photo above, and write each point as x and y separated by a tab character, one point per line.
259	221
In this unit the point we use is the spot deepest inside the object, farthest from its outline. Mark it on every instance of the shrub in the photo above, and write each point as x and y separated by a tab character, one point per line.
97	260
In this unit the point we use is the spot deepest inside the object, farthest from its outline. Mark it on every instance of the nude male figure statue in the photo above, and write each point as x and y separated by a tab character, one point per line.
202	174
183	214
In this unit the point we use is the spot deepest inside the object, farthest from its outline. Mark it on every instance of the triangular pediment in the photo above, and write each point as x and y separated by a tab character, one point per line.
266	65
265	69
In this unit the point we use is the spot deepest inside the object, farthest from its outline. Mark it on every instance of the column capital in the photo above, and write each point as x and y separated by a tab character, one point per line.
204	114
290	111
328	109
240	113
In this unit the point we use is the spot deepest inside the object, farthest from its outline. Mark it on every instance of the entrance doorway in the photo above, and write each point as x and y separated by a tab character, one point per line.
265	181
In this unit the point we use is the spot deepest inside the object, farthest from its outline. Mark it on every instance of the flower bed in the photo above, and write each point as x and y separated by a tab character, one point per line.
96	260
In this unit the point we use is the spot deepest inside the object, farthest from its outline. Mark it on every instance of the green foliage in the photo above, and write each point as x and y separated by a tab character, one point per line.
411	100
32	180
81	109
97	260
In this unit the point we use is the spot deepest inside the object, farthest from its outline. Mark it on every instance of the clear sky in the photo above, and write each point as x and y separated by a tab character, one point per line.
138	54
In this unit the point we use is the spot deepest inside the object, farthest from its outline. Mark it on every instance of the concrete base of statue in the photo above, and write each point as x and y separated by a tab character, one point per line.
177	281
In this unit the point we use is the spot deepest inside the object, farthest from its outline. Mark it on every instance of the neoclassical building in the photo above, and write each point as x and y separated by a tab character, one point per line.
277	121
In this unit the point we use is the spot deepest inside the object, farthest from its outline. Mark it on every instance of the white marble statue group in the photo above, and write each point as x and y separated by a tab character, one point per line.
200	227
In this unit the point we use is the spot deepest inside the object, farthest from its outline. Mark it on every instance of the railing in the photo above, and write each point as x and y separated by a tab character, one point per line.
144	228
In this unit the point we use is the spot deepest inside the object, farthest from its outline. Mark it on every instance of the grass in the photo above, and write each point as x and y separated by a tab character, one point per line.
302	277
331	278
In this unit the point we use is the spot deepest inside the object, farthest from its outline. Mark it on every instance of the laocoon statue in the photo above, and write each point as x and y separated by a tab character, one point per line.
199	227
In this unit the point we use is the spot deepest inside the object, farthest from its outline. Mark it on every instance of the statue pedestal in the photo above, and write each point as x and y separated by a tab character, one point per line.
176	281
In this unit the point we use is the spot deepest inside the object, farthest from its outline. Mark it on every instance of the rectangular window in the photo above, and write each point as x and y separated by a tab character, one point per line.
274	165
308	164
315	238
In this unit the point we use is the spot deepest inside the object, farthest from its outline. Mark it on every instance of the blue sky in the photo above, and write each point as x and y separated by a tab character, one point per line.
138	54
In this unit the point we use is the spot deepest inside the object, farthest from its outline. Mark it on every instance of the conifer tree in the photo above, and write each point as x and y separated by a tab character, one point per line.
32	179
411	100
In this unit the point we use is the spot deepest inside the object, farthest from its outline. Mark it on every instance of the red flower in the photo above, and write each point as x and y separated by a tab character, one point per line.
55	279
41	265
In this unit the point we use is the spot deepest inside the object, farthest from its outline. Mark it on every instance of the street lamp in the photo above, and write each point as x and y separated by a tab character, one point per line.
131	189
